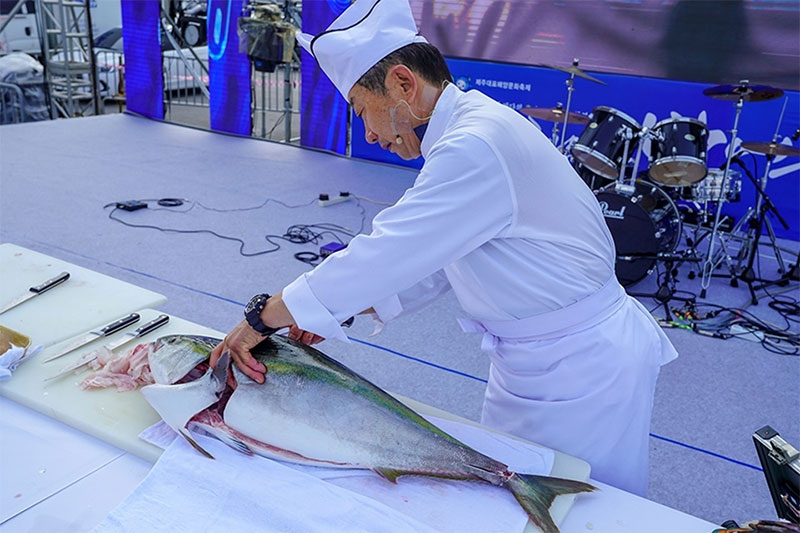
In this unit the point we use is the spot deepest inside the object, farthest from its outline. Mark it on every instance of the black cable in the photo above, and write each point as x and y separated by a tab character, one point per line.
296	233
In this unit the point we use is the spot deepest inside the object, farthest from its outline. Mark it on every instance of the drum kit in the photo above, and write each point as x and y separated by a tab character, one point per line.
646	211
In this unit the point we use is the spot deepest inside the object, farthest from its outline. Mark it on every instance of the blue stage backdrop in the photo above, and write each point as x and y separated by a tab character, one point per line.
647	100
323	112
229	70
141	41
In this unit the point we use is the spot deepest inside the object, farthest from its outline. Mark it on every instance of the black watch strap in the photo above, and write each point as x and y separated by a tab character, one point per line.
252	314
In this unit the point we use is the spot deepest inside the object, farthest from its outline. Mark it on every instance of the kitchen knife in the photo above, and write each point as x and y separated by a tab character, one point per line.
89	357
86	338
35	291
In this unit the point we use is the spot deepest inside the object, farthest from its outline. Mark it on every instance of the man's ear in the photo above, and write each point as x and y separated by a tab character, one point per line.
403	78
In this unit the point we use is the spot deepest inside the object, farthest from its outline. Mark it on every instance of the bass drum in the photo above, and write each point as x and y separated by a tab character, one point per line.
645	222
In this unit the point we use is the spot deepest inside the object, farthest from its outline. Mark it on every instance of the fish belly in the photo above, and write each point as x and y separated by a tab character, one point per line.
329	423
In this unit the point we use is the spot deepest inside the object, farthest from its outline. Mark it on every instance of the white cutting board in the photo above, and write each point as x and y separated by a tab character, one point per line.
115	417
85	301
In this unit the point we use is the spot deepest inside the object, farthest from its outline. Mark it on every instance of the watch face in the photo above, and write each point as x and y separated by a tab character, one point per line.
254	303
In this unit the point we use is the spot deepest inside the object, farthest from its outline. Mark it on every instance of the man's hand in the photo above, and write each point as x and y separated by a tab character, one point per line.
238	343
306	337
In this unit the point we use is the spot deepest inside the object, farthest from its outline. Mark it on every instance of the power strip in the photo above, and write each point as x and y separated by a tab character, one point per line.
325	200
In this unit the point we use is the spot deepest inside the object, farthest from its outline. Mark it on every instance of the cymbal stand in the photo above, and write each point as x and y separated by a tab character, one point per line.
749	248
753	216
570	88
711	261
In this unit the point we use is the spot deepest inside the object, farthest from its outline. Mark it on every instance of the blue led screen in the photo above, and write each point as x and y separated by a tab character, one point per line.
141	41
323	112
648	101
229	70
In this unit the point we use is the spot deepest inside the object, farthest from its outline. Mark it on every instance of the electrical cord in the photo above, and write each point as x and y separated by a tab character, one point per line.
295	234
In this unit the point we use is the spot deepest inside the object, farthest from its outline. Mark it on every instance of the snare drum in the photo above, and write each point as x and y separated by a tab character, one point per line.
644	222
710	189
601	146
679	152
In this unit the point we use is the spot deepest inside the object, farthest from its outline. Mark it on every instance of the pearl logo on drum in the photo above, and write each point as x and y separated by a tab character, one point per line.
619	214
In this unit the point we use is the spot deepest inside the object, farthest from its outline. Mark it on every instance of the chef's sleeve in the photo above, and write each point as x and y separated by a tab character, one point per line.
412	299
461	199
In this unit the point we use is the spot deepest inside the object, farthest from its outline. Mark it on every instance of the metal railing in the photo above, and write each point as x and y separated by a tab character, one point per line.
12	104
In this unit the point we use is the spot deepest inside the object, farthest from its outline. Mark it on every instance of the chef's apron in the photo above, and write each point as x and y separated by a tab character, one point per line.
580	380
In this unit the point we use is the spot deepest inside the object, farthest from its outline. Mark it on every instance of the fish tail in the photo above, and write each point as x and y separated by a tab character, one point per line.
536	494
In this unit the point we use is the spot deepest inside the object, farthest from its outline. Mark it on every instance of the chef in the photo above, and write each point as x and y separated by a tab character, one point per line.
498	216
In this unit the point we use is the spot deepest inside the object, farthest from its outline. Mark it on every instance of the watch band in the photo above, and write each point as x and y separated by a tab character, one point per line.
252	314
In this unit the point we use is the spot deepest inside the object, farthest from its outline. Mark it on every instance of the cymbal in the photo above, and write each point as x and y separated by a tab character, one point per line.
573	69
748	93
771	148
554	114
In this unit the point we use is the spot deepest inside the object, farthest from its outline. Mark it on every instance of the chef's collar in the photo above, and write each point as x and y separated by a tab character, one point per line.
440	117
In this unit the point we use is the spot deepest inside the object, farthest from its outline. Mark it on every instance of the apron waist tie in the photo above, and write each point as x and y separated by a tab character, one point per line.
583	314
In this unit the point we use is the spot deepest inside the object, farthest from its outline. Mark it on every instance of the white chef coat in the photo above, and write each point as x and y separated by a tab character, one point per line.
498	215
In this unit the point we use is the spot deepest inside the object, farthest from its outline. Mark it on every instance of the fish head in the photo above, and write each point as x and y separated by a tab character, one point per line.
173	357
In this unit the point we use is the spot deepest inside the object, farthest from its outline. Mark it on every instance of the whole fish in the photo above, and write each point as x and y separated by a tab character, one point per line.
313	410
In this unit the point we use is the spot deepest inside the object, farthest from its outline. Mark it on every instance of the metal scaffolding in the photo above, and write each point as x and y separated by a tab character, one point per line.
65	29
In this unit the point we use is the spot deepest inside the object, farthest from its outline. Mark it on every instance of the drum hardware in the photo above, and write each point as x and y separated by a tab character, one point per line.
666	286
757	218
573	71
557	115
744	92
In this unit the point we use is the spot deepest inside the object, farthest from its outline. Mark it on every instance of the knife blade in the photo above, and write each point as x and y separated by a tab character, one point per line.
89	357
35	291
86	338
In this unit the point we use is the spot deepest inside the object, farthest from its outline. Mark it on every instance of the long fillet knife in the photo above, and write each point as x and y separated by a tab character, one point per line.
89	357
36	291
86	338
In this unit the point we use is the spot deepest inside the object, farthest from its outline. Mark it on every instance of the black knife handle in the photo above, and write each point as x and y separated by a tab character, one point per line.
119	324
150	326
50	283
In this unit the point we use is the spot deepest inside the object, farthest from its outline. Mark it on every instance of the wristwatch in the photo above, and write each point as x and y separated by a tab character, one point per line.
252	313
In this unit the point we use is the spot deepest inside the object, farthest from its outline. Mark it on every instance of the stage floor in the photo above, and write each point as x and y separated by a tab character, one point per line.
56	177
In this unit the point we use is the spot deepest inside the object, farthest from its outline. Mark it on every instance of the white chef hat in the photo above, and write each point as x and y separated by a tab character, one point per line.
365	33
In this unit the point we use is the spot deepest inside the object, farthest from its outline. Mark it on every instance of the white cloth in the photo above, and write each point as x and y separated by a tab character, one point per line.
11	359
525	248
186	492
440	504
365	33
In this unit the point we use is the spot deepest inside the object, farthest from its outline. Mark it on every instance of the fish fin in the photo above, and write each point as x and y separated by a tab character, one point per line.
226	437
388	473
536	494
196	446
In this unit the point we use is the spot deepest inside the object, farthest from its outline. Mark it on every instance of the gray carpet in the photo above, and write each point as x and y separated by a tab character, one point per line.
55	178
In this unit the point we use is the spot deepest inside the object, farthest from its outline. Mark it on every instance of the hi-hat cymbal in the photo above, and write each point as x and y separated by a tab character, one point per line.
573	69
771	148
748	93
554	114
